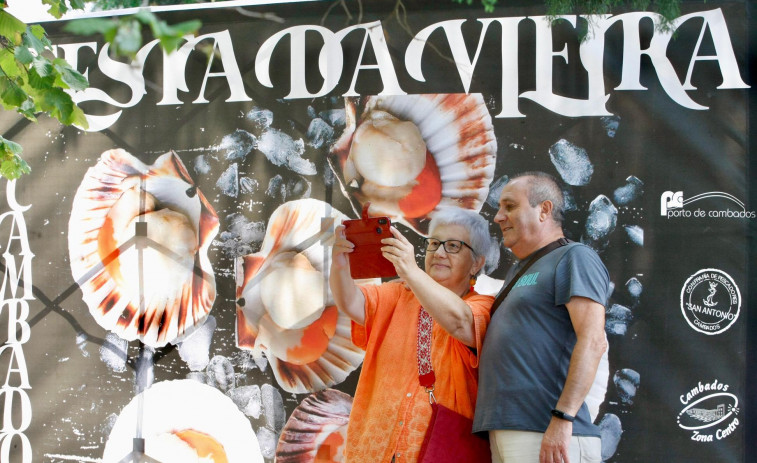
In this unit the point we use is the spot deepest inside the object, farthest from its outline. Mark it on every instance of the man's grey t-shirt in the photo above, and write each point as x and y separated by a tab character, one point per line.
529	341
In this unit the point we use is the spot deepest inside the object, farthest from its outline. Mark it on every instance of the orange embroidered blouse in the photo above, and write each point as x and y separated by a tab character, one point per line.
391	411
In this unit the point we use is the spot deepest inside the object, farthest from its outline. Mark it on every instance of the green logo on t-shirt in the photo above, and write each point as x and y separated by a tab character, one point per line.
527	280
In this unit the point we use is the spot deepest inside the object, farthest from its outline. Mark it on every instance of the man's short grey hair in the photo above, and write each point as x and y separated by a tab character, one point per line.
544	187
477	227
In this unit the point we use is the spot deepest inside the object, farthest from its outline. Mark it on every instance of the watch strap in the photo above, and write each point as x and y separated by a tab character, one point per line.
562	415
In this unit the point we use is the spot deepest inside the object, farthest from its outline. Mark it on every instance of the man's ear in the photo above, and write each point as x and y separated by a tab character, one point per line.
545	210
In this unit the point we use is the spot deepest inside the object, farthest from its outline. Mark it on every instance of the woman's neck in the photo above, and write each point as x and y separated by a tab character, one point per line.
464	291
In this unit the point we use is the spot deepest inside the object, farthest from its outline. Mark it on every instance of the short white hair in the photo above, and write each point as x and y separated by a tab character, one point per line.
477	227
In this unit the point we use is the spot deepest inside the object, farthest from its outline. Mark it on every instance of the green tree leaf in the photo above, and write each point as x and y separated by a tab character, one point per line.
27	109
8	63
90	26
71	77
14	167
57	7
36	82
170	36
38	31
10	147
57	103
43	66
31	41
11	164
11	94
78	118
23	55
145	16
10	26
128	40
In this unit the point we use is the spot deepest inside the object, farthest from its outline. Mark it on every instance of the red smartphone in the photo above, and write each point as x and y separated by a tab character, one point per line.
366	233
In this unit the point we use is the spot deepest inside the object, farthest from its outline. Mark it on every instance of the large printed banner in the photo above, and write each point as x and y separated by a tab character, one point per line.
165	271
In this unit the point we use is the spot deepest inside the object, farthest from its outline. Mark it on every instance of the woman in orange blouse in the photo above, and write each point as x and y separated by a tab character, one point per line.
391	410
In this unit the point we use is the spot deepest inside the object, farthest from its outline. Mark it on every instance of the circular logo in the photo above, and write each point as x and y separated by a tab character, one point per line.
710	301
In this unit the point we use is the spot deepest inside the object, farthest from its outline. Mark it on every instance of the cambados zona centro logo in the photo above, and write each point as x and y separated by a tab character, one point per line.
673	205
709	412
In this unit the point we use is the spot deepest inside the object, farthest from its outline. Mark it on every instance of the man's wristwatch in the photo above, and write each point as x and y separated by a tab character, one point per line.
562	415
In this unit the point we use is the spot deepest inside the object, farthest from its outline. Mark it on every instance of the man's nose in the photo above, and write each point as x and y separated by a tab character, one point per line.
500	217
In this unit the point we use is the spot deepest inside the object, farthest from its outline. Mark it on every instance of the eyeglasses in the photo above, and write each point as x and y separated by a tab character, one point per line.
451	246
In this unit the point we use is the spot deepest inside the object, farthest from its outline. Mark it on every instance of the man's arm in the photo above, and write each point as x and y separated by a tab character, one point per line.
588	318
347	296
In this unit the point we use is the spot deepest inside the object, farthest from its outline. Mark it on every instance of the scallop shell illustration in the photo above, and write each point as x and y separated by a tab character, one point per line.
316	432
284	305
184	421
121	203
412	155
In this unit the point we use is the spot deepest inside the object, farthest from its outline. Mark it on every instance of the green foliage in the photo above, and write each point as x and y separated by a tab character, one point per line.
58	8
116	4
11	164
10	26
668	9
125	33
31	82
488	4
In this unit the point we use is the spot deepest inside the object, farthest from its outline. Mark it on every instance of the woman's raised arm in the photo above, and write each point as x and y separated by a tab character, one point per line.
347	296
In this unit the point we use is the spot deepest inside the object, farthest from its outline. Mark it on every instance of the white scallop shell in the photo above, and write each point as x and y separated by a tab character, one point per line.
284	305
459	136
317	429
169	409
119	200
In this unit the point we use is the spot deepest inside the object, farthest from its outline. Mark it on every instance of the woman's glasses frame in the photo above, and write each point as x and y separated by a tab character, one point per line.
433	244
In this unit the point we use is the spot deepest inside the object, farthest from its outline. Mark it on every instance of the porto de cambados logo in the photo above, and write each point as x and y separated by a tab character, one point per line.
710	301
673	205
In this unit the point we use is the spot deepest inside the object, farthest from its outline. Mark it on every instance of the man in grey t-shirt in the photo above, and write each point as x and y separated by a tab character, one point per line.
545	341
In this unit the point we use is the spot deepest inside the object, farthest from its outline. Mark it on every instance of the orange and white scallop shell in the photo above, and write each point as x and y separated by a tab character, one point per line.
284	305
412	155
184	421
140	230
316	432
